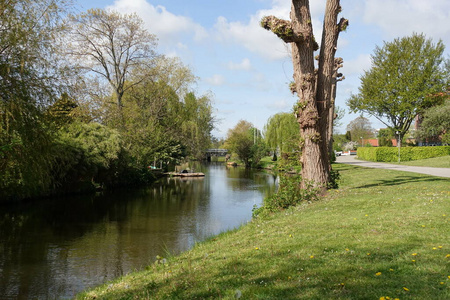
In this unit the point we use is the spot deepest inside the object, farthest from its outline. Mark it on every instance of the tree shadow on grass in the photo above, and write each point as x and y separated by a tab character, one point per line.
400	180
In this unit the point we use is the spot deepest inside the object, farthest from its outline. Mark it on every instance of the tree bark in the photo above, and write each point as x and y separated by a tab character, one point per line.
313	89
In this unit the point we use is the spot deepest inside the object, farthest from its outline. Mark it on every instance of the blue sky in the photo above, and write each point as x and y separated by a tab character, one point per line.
248	69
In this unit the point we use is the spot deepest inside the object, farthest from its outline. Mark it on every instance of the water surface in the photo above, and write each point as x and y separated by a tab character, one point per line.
57	248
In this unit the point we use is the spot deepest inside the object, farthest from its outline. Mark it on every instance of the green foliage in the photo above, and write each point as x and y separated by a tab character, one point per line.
62	111
31	78
390	154
288	194
398	86
83	153
385	137
282	132
241	140
436	123
339	141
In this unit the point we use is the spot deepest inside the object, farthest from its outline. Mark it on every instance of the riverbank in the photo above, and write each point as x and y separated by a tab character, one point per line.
383	233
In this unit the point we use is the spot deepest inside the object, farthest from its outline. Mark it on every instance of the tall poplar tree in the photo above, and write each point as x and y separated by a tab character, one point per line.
314	88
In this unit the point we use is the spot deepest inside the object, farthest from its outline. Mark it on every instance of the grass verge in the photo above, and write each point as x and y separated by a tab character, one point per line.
435	162
382	234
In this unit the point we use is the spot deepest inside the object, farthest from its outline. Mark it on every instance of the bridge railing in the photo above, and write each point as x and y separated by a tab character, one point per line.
216	152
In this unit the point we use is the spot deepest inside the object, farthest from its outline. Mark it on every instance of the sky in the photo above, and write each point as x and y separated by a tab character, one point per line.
247	69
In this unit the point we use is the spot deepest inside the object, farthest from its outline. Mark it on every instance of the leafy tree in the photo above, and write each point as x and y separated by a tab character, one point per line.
398	86
240	140
385	137
338	141
197	124
436	123
83	153
360	128
282	133
315	89
30	79
110	45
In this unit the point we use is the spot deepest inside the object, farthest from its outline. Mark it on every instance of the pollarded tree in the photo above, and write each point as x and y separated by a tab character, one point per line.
314	88
110	45
398	87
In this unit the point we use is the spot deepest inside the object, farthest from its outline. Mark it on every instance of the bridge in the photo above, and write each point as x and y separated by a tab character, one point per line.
215	152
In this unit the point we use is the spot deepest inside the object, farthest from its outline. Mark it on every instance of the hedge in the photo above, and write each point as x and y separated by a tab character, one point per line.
390	154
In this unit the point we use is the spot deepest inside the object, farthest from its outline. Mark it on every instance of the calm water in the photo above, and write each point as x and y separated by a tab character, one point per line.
58	248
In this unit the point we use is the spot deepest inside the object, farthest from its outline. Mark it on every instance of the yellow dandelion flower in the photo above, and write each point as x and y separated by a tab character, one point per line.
440	247
414	254
378	274
392	270
256	248
290	235
346	249
312	256
413	260
406	289
448	276
447	256
368	253
441	282
383	298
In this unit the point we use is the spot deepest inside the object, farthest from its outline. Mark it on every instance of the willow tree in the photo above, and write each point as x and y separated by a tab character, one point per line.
313	87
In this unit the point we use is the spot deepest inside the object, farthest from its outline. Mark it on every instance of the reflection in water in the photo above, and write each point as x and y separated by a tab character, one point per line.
58	248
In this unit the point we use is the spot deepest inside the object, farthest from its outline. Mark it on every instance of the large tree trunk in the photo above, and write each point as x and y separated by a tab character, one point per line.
314	89
314	164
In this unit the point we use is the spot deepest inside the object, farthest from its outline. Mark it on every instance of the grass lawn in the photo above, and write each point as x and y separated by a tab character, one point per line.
382	234
436	162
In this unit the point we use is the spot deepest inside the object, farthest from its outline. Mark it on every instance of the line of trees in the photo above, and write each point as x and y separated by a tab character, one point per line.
85	101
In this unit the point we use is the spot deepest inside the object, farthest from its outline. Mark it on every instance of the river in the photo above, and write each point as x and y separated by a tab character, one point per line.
59	247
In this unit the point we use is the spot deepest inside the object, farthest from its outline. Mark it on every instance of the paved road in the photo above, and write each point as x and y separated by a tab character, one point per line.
351	160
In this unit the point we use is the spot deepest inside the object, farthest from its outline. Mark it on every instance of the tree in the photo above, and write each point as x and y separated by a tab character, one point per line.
398	86
436	123
385	137
360	128
31	79
314	89
110	45
282	133
240	140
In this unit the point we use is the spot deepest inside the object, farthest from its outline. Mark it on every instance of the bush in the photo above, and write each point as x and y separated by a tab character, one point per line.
288	194
390	154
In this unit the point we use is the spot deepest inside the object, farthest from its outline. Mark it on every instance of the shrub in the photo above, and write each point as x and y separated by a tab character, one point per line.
288	194
390	154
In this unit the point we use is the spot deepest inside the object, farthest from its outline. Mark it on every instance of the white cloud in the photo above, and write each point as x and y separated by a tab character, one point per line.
244	65
215	80
357	66
280	105
168	27
398	18
255	39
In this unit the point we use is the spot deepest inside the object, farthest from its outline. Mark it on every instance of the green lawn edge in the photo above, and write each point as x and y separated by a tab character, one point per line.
383	233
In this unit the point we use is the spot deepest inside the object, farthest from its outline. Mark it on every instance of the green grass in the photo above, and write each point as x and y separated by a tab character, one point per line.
436	162
383	233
